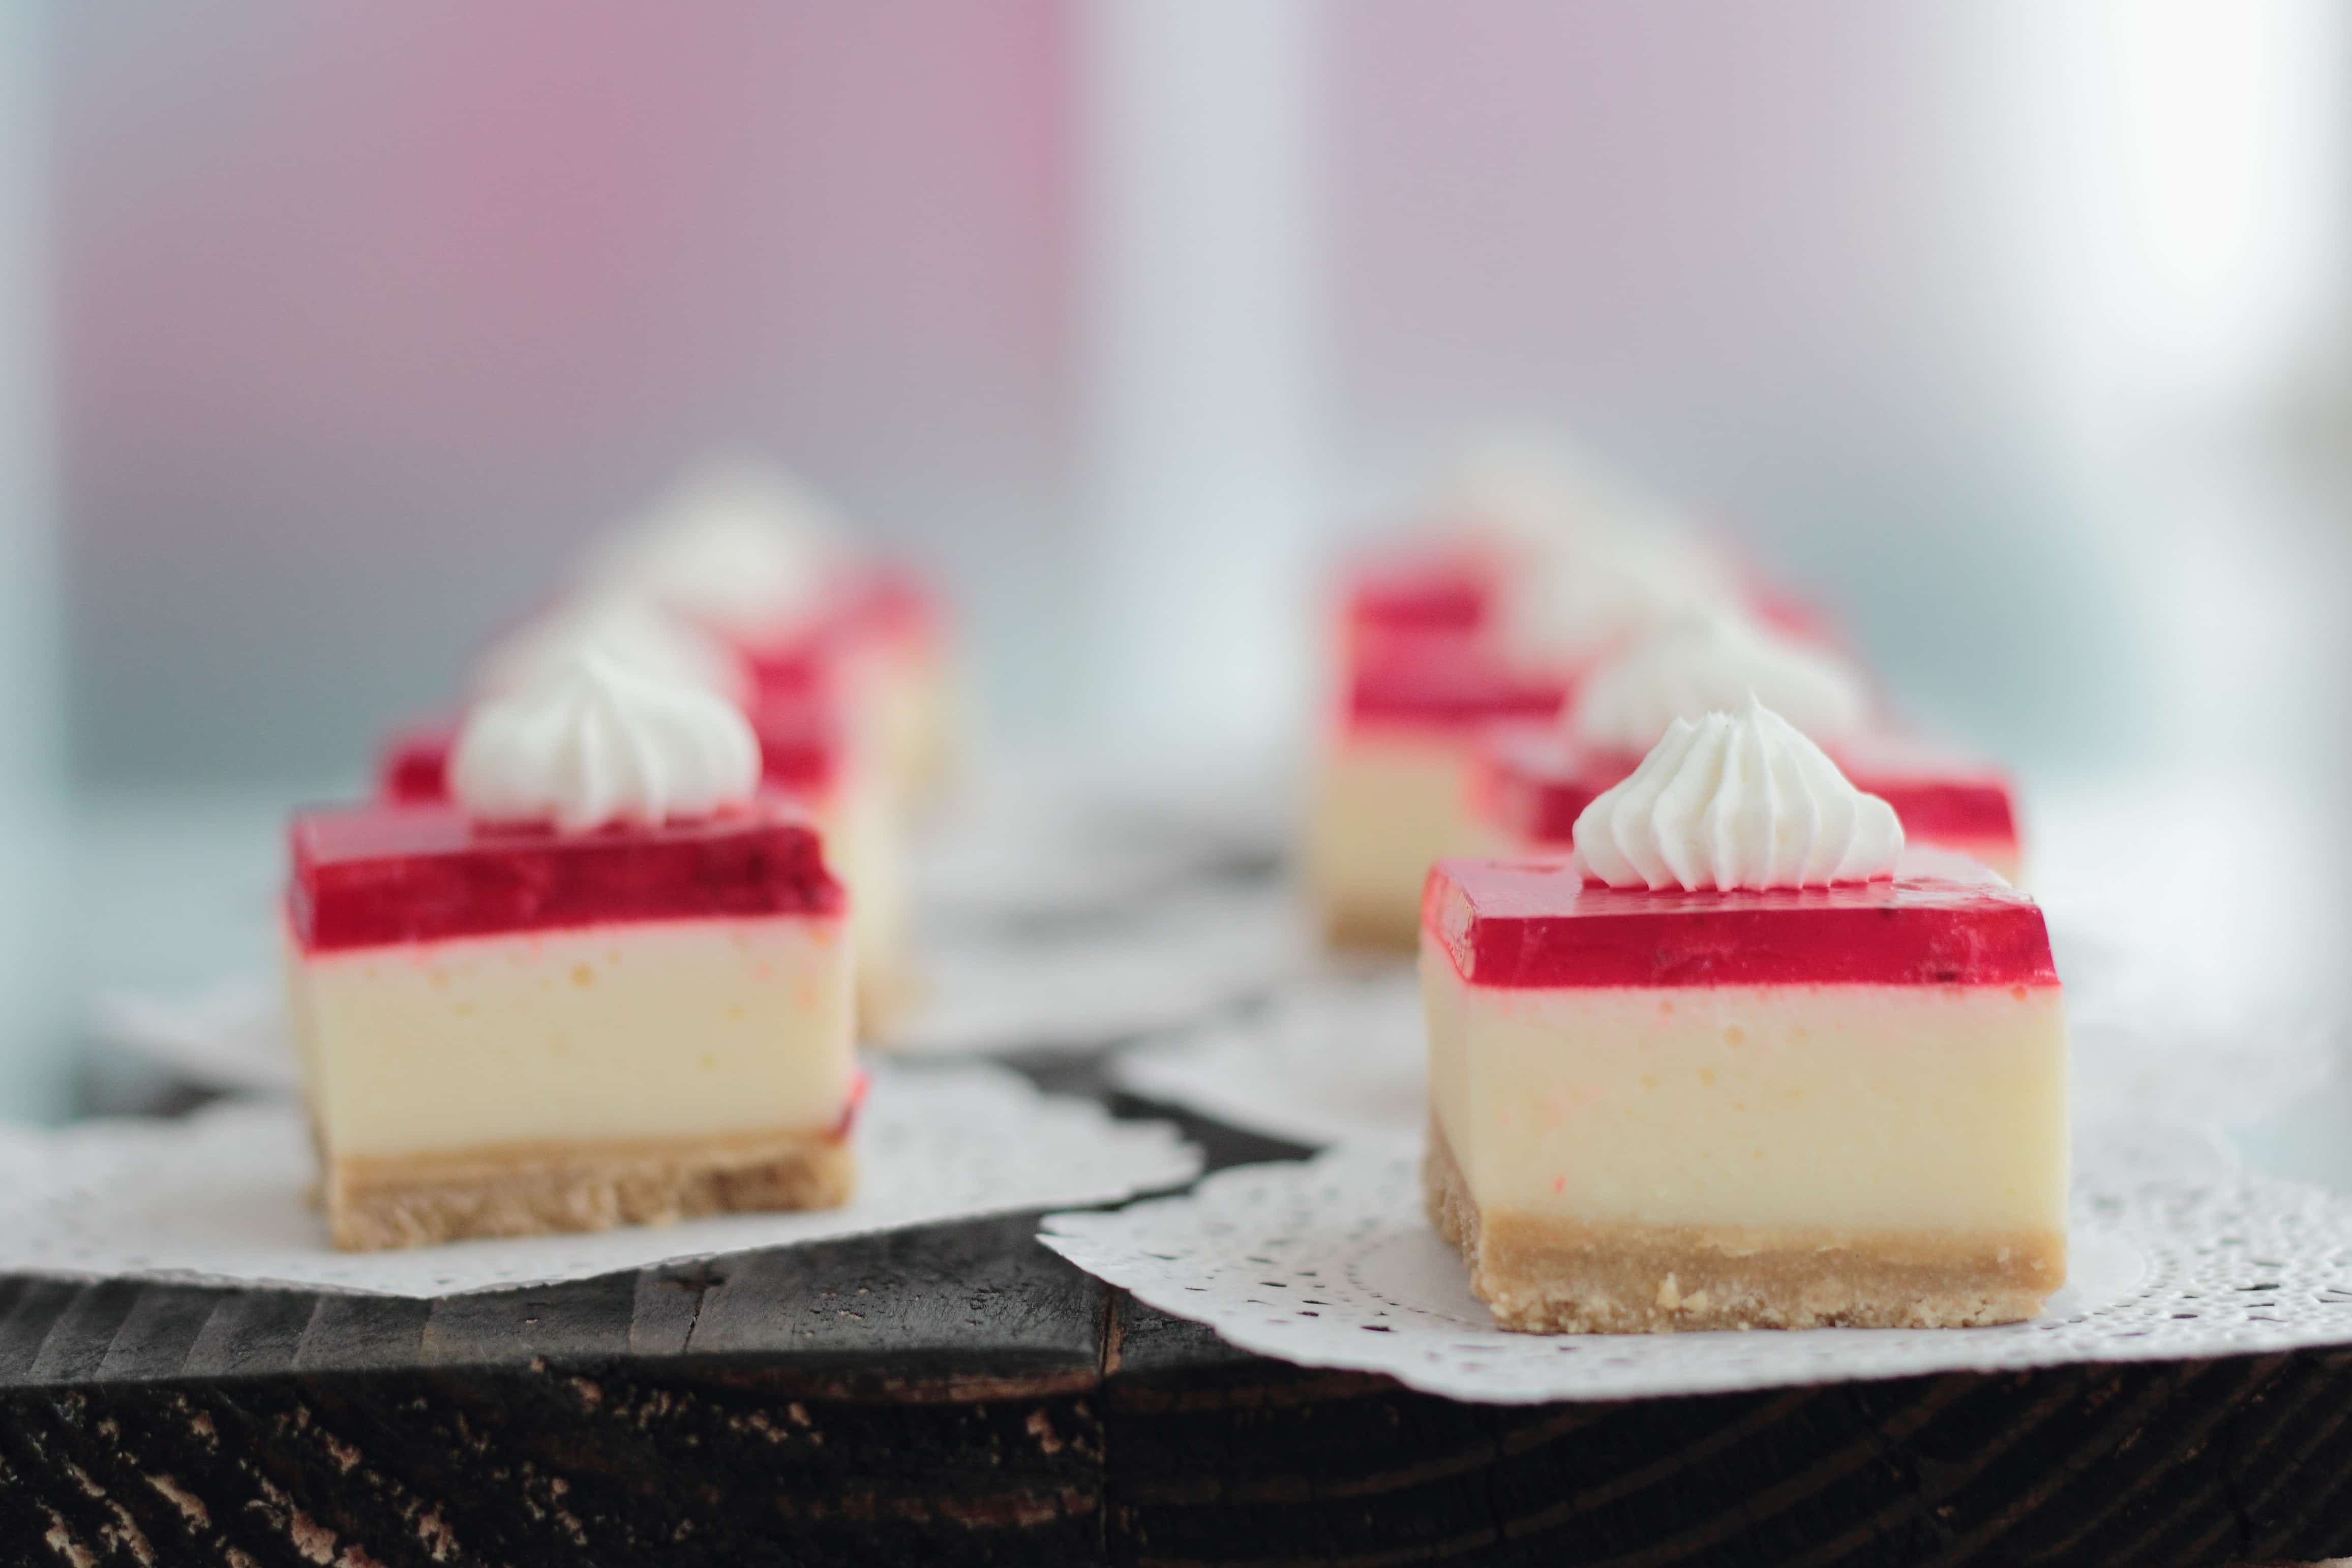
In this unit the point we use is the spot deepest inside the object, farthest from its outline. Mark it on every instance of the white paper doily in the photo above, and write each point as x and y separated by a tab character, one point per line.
1079	979
230	1035
1059	835
1321	1062
2176	1253
222	1196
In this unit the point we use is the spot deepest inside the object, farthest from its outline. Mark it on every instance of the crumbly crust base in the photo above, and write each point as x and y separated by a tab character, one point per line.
374	1203
1541	1276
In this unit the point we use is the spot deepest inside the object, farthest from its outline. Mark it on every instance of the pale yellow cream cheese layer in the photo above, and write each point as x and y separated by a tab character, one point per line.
1839	1106
1386	804
632	1031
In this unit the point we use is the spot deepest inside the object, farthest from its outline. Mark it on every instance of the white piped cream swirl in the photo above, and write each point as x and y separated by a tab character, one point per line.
1737	801
1529	496
1611	584
1704	664
594	742
740	547
632	632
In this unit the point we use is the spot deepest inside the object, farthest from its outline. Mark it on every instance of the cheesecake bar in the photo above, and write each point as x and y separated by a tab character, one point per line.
507	1030
1712	1097
1390	789
605	982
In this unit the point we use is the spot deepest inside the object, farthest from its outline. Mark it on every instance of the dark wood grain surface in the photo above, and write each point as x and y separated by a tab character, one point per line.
957	1393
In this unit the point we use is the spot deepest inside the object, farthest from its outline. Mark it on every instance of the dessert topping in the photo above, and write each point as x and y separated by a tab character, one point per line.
1737	800
630	631
1608	580
593	742
1529	498
740	548
1707	663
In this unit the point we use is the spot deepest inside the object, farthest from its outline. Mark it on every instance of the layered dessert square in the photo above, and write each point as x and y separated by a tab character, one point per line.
1390	791
605	982
1784	1074
509	1030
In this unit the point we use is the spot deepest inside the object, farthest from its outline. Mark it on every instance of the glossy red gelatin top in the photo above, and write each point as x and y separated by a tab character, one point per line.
372	876
1535	782
1445	681
801	659
1424	590
801	750
1935	795
1941	919
413	766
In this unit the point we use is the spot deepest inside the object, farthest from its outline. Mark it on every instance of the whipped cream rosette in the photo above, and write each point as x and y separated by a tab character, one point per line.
1703	663
628	630
740	547
1609	579
596	742
1737	801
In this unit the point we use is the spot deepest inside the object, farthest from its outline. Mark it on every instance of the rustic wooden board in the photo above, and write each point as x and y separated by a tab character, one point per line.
2223	1461
959	1395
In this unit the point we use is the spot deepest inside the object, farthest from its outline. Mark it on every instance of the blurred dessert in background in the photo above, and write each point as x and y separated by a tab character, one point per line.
1531	566
628	628
605	980
743	583
1533	781
1395	772
750	555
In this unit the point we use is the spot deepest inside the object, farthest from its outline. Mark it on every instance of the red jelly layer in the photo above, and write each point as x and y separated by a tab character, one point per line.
1423	591
806	661
1935	793
801	750
879	604
1446	681
372	875
1941	920
1534	782
413	767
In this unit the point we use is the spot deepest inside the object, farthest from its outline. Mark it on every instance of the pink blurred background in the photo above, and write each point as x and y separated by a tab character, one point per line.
2017	331
363	316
